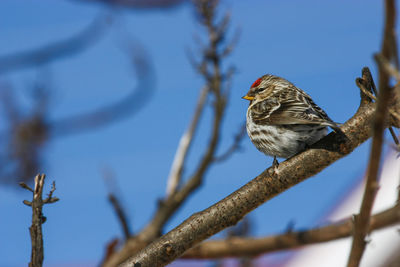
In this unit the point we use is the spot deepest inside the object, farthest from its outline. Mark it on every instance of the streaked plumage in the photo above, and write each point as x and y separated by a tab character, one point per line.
282	119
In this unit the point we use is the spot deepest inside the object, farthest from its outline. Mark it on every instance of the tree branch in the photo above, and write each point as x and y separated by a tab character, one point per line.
252	247
267	185
38	219
362	220
235	146
177	167
114	195
388	40
119	211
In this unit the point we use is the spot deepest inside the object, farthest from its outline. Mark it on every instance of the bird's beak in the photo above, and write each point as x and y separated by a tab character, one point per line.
248	97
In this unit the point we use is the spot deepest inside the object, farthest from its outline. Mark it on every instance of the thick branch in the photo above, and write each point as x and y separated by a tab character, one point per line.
251	247
267	185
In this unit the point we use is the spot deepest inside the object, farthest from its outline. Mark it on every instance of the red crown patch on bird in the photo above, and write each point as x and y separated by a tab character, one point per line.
256	83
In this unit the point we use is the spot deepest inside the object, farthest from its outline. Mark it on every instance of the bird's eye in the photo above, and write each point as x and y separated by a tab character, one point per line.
259	90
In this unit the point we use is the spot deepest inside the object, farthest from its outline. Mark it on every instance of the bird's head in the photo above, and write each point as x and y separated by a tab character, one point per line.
263	87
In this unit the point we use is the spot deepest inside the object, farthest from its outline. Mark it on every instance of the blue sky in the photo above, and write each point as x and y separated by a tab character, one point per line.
321	47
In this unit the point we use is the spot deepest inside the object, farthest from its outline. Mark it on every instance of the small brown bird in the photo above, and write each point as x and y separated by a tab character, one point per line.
282	119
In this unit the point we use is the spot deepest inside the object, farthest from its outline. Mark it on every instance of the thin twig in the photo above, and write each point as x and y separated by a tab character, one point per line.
185	142
235	146
394	136
387	67
362	220
251	247
230	47
110	249
113	194
122	218
25	186
50	198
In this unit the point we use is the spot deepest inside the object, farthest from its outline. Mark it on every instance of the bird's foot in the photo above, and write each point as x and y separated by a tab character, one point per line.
275	163
275	166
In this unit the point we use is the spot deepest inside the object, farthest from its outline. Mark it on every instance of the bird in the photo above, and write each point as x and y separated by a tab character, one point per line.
282	120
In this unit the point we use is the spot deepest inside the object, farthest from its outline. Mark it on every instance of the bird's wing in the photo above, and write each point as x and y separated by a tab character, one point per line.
261	111
290	107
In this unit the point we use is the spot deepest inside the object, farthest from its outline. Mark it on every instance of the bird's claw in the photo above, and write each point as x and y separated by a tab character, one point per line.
275	163
275	166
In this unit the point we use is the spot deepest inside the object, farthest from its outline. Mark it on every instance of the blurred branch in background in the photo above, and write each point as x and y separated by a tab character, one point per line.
139	4
241	230
252	247
38	219
114	197
27	134
114	112
362	220
234	147
57	50
217	91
